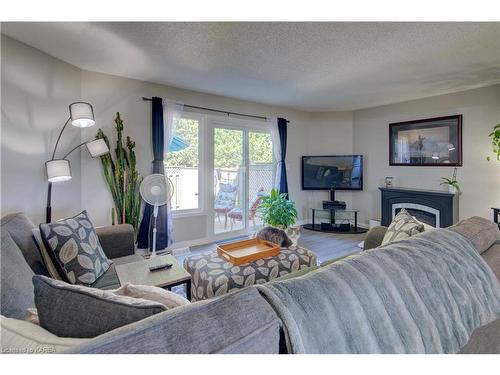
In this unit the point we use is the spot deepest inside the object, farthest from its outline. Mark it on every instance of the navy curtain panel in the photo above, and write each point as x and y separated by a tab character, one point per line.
282	125
146	227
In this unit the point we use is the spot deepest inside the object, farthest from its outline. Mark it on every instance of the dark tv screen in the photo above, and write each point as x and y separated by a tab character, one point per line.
339	172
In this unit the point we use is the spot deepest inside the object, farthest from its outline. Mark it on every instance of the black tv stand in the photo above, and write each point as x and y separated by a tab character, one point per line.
337	220
333	203
332	195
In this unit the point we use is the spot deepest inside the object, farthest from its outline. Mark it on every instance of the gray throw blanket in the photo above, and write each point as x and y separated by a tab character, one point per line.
423	295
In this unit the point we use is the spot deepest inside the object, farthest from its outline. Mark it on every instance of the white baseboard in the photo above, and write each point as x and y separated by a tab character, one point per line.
364	224
189	243
181	251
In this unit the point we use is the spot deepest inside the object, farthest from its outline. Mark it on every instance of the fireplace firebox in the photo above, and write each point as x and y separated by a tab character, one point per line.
436	208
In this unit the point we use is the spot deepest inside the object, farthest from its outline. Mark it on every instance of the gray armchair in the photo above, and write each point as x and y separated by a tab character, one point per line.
117	241
374	237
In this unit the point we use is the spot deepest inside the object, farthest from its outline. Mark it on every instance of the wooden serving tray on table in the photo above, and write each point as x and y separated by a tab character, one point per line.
247	251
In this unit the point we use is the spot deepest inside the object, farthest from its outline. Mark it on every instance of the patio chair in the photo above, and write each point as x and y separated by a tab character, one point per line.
225	200
236	214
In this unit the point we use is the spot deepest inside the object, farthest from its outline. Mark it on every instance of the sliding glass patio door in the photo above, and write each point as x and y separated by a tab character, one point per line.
229	179
260	173
243	172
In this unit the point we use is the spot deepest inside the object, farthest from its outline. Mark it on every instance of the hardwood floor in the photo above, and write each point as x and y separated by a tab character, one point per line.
330	245
325	245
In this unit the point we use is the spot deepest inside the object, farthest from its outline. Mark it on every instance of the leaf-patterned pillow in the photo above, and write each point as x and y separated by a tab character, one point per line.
403	226
75	249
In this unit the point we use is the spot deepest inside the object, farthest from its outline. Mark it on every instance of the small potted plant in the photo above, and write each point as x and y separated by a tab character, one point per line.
277	211
452	183
495	141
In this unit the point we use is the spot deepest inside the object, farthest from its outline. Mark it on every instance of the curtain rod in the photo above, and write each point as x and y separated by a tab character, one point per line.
218	110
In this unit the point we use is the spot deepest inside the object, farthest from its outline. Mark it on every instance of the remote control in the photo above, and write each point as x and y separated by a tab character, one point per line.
159	267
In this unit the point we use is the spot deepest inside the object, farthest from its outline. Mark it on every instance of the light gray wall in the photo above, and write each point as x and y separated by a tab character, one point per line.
479	179
36	92
328	133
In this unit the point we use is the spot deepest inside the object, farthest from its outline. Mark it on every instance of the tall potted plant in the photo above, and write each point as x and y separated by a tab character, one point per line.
122	177
278	211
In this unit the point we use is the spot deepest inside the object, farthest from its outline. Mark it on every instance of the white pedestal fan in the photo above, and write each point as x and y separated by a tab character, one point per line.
156	190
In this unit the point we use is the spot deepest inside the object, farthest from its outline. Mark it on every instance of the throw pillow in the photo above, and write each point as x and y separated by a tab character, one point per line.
403	226
427	227
75	249
21	337
45	255
274	235
152	293
77	311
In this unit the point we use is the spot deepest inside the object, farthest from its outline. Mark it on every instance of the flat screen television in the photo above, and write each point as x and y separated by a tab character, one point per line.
337	172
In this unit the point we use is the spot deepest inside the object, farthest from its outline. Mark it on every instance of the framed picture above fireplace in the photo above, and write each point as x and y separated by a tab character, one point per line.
433	142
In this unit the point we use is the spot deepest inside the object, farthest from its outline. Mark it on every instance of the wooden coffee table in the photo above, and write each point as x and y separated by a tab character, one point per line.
138	273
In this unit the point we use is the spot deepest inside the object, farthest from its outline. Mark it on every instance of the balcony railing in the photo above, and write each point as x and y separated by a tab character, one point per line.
185	181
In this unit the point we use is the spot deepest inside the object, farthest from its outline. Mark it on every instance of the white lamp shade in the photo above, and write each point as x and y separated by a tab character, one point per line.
58	170
97	148
82	114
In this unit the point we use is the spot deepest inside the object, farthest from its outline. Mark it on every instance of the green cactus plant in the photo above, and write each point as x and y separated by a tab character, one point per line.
122	177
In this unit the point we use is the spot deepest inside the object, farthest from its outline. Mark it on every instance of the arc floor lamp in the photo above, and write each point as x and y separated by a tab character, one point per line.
81	115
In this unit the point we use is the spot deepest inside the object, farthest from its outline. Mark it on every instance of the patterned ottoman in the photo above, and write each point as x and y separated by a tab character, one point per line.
212	275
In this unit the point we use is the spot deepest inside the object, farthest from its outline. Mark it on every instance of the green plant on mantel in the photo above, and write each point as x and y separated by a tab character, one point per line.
277	210
495	141
453	182
122	178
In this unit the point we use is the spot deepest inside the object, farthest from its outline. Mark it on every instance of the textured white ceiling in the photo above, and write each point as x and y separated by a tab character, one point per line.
309	66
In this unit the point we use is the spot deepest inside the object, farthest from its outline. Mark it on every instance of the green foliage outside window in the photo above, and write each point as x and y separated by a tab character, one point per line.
228	147
261	148
187	129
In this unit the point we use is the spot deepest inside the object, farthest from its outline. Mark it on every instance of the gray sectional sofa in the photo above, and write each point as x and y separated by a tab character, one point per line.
480	231
241	322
